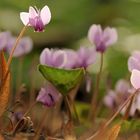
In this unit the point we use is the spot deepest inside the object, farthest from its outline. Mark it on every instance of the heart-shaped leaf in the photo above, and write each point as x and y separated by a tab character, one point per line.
64	80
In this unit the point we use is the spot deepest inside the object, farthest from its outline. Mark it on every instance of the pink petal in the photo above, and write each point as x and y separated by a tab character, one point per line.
135	79
138	101
91	55
32	12
72	56
25	45
110	98
133	63
28	44
45	15
109	36
45	57
24	17
59	58
95	34
122	87
136	54
4	38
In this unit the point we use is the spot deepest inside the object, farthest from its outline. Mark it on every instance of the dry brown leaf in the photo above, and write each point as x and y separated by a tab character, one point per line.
4	83
1	137
114	132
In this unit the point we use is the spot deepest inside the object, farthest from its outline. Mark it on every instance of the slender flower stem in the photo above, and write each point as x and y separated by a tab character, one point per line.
68	107
76	113
96	91
11	55
114	115
19	77
41	125
74	109
15	45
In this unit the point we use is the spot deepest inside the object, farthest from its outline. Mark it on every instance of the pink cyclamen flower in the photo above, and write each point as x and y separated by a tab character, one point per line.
102	38
25	46
54	58
48	95
116	97
86	56
36	18
134	61
135	79
4	38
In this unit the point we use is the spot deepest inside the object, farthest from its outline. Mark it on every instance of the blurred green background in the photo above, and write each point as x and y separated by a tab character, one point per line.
68	29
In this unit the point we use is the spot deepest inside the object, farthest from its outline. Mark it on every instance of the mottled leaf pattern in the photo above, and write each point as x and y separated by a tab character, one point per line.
64	80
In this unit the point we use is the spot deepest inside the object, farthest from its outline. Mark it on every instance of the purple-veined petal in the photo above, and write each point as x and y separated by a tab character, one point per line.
48	95
32	12
46	57
133	63
45	15
24	18
109	36
135	79
59	58
95	34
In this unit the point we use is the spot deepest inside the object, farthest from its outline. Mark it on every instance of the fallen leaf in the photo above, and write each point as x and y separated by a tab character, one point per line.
4	83
114	132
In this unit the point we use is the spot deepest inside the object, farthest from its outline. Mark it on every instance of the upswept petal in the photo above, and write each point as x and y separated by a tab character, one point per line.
95	34
135	79
45	15
4	37
133	63
32	12
136	54
45	57
109	36
59	58
25	46
24	16
91	55
28	43
122	87
72	58
110	98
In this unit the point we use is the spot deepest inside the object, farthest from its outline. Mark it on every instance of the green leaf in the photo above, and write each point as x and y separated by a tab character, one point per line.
64	80
130	126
